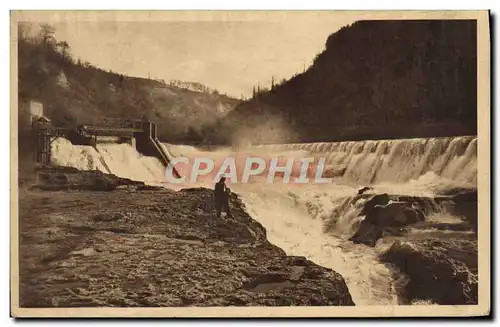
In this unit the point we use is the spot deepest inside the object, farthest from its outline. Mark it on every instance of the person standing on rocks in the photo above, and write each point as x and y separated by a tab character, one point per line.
221	197
225	207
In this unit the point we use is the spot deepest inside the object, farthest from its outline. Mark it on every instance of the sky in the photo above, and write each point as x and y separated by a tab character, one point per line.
229	55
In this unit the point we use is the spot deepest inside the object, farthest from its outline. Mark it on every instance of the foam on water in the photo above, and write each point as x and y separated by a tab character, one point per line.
119	159
315	220
396	161
290	226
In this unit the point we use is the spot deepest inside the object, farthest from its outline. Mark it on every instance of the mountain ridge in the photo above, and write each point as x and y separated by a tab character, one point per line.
73	92
373	80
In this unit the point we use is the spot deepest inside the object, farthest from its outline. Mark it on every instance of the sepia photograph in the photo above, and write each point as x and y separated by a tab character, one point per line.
250	163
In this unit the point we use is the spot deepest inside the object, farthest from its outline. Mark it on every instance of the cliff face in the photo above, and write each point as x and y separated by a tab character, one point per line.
375	80
193	86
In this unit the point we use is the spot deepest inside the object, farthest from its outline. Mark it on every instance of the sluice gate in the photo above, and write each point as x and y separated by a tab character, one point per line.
142	133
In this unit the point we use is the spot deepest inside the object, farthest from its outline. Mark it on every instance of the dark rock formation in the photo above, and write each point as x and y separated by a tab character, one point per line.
465	205
441	266
364	189
367	234
379	199
332	172
394	214
157	248
385	214
462	203
56	178
442	271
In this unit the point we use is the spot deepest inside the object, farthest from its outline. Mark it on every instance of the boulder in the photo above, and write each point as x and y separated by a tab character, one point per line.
425	204
367	234
385	217
413	214
466	198
379	199
68	178
463	204
364	189
394	214
334	171
442	271
166	250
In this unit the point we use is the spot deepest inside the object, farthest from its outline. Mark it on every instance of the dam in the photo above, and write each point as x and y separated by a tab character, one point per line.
314	220
140	133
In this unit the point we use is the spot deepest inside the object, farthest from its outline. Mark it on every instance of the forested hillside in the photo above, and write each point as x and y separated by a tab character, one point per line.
74	92
374	80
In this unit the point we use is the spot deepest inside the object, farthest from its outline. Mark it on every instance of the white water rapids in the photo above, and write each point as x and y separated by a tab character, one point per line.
295	217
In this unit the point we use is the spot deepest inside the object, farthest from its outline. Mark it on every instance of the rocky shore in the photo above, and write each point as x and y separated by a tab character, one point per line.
439	256
440	271
90	239
94	239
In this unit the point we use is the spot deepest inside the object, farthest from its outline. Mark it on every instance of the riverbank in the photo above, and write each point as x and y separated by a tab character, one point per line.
94	239
90	239
432	241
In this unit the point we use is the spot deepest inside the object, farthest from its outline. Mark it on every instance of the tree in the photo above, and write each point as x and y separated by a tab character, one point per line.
47	33
23	31
63	48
